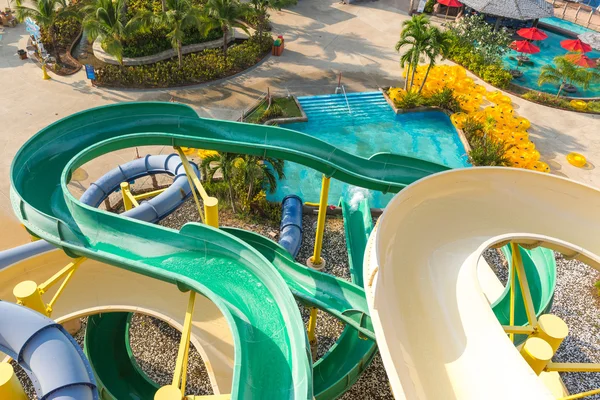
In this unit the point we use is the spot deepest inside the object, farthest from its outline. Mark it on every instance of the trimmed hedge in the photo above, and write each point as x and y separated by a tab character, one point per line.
147	44
197	68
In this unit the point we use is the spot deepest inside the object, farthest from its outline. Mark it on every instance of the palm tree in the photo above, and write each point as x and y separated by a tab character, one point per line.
46	14
438	43
104	19
414	35
226	14
224	162
266	170
260	8
180	15
564	72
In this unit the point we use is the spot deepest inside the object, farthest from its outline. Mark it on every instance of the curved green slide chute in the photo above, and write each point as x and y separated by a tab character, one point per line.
540	268
106	346
251	294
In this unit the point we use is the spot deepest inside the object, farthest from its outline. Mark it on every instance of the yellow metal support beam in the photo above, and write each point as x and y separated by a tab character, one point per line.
316	261
10	387
211	204
184	346
573	367
312	325
512	300
143	196
524	284
518	330
29	294
129	200
581	395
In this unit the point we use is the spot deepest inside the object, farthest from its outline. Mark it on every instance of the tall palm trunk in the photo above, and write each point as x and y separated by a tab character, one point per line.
406	78
250	190
410	7
225	30
179	54
425	78
164	5
261	24
414	69
55	44
560	88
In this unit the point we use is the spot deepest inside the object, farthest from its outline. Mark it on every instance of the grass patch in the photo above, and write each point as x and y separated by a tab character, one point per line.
287	104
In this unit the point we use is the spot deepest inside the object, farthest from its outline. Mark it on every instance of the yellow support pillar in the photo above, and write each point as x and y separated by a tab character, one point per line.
28	295
10	387
310	331
128	200
316	261
537	353
581	395
552	329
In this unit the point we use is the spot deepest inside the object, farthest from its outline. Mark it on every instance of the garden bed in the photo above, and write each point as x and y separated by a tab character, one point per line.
205	66
287	110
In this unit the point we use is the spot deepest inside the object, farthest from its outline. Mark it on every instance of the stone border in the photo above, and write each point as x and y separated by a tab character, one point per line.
460	132
103	56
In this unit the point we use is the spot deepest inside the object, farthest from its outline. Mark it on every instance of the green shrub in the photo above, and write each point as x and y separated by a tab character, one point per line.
444	99
486	151
594	106
272	112
472	128
148	43
546	98
496	75
67	30
410	100
198	67
429	6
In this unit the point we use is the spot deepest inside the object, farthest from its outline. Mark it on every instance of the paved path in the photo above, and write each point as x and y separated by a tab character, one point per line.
323	37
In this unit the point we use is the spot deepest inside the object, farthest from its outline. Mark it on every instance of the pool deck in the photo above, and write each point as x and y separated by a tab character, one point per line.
323	37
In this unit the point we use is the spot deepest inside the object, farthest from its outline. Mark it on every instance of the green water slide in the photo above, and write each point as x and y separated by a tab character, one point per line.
106	346
358	225
249	291
540	268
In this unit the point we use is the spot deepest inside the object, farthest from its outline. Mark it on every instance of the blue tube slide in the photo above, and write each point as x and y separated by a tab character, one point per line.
51	357
290	230
53	360
156	208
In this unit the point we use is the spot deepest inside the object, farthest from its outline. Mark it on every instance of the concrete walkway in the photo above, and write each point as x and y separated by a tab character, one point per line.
323	38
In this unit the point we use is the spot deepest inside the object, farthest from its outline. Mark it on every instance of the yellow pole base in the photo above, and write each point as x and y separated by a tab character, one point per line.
27	294
10	387
537	353
552	329
45	73
310	263
211	211
168	392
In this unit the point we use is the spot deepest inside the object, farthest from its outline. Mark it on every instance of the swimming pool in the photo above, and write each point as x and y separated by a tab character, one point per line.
566	25
371	127
550	48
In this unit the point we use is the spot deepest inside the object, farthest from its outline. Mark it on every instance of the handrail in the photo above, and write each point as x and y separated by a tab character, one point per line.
346	97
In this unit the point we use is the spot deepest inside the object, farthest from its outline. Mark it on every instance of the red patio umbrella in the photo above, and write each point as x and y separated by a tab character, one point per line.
450	3
582	60
575	45
523	46
532	33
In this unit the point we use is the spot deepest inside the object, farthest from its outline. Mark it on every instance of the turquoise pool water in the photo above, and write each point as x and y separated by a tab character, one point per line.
372	127
550	48
566	25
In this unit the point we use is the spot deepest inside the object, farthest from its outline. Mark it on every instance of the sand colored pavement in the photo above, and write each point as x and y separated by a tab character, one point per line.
323	38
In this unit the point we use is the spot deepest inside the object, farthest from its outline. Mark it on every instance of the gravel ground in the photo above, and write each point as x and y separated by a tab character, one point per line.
576	301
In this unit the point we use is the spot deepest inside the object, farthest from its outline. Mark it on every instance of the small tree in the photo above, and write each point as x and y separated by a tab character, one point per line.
179	16
227	15
436	44
104	19
472	30
260	10
224	162
564	72
414	35
46	14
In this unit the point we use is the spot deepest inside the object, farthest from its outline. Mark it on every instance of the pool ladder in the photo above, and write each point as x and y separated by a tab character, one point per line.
339	89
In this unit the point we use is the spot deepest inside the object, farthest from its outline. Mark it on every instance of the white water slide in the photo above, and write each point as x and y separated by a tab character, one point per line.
435	328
